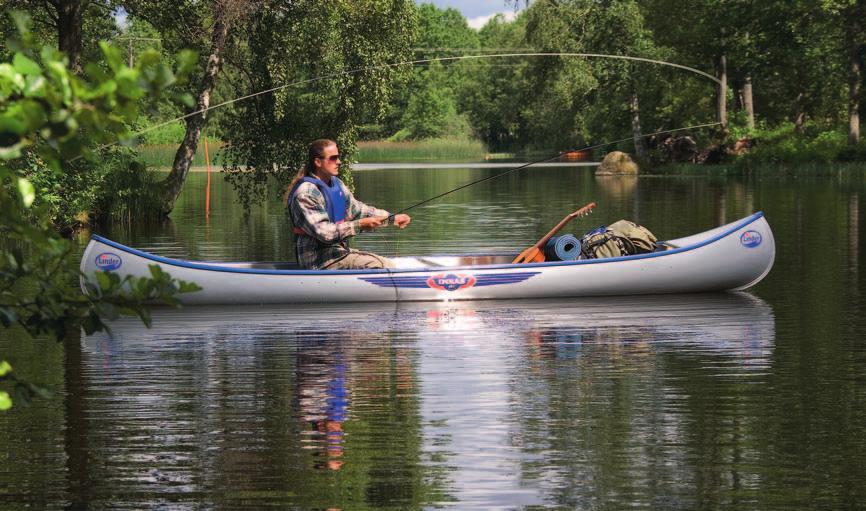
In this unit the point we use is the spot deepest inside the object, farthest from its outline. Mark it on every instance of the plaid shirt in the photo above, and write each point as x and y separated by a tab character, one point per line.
324	241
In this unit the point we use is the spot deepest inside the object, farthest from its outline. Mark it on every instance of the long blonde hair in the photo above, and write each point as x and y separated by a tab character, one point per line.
316	149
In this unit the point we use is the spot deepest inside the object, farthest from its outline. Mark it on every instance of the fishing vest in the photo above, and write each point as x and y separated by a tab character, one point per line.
335	199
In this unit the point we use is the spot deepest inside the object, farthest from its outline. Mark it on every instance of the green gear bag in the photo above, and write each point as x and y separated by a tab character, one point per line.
620	238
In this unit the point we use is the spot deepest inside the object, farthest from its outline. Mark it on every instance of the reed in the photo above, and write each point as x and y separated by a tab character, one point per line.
432	150
162	155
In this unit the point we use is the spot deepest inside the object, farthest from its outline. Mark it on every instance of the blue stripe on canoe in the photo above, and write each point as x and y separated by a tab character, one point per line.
486	279
227	269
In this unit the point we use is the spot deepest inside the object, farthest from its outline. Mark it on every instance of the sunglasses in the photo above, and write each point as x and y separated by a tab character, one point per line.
333	157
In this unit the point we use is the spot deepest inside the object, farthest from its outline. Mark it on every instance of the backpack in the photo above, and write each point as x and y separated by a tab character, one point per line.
620	238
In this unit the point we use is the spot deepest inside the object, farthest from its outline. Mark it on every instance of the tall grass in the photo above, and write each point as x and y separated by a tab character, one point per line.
439	149
432	150
162	155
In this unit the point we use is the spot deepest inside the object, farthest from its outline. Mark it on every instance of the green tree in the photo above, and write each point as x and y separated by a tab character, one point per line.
74	26
492	91
432	109
440	33
48	118
212	26
328	66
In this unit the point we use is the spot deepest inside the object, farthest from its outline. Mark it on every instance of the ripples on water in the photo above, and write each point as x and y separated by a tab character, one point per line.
724	401
485	404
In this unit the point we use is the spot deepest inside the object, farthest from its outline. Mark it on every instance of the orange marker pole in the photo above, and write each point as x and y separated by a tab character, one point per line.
207	191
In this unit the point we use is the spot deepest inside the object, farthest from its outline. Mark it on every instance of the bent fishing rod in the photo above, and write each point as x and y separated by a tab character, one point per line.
536	162
349	72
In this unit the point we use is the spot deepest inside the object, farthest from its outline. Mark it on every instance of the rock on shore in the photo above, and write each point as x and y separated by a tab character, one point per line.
617	163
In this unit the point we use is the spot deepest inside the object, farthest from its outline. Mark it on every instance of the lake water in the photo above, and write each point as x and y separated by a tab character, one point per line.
739	401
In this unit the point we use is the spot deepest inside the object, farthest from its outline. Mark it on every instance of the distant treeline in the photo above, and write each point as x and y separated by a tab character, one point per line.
791	77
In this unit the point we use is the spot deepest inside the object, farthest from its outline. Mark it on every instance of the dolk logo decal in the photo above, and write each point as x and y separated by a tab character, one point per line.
751	239
108	261
450	281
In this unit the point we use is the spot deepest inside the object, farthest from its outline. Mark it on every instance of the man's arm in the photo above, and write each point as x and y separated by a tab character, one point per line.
358	209
310	215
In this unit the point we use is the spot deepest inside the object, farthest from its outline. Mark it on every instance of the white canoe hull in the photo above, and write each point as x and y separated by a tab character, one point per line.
731	257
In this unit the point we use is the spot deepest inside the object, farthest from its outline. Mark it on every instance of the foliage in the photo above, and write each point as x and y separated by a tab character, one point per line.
492	92
51	123
433	87
432	108
816	143
338	78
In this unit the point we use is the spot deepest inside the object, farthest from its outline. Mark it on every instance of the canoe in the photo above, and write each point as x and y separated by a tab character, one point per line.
734	256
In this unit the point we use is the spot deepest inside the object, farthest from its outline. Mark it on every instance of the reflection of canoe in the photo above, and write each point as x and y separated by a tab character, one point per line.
733	256
717	322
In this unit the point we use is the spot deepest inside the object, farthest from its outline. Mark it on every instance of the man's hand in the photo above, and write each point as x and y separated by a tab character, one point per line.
371	222
402	220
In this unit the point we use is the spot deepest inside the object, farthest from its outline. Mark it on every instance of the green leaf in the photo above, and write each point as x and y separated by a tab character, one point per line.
10	80
59	73
187	60
12	152
28	193
188	287
25	66
104	280
127	83
113	56
12	125
5	368
5	401
186	99
34	87
22	21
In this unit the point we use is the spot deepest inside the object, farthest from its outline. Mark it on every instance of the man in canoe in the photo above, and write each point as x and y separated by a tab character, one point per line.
325	215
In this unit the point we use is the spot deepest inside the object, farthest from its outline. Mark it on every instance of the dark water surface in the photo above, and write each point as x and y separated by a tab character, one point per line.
722	401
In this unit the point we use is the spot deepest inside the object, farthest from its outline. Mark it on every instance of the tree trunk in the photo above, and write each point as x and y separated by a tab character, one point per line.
637	135
723	92
69	32
800	112
855	48
748	102
173	184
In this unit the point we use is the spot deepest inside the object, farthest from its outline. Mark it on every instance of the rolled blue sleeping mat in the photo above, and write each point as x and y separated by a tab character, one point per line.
562	248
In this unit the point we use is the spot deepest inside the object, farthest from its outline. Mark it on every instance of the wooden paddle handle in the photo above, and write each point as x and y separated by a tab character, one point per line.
580	212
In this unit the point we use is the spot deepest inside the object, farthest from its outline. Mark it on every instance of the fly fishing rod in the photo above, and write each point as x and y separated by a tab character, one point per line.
536	162
411	63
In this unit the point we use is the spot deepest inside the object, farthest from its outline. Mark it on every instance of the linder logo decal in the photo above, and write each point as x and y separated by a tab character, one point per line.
108	261
751	239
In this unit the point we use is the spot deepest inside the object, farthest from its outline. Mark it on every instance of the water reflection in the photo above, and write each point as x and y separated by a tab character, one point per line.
483	404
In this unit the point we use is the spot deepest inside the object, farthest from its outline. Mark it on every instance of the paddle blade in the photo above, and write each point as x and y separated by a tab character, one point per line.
530	255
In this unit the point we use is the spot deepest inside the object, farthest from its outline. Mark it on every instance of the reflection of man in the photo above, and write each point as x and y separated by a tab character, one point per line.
337	405
560	344
324	403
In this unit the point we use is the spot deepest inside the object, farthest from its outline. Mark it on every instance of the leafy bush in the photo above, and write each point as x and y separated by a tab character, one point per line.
783	145
169	134
52	124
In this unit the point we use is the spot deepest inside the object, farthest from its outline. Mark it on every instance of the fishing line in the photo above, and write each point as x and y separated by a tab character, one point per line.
556	156
427	61
410	63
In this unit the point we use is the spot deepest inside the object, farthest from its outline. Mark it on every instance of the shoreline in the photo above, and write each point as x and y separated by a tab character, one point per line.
413	166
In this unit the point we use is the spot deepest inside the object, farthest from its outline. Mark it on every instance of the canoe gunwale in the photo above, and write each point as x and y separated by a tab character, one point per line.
261	271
